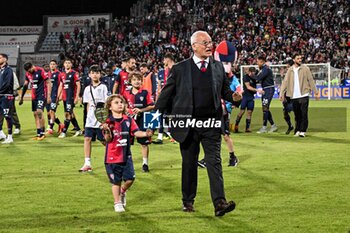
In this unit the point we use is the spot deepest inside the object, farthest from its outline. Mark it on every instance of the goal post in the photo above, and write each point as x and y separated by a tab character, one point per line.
327	79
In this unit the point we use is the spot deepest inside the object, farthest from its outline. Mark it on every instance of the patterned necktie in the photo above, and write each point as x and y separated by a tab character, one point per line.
203	68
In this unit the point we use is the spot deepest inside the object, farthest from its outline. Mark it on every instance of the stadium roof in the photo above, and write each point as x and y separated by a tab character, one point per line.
25	17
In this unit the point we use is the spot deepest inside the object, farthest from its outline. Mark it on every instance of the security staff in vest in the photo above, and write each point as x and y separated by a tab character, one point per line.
149	82
193	93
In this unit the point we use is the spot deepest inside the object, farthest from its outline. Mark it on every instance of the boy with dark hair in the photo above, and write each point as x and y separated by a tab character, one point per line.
123	83
94	94
54	76
37	77
149	82
265	76
110	79
139	101
70	84
249	90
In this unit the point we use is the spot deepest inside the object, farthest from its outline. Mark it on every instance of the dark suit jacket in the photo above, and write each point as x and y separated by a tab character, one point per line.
177	95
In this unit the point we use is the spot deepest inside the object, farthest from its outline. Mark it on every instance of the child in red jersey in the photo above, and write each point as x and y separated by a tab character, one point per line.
139	101
118	130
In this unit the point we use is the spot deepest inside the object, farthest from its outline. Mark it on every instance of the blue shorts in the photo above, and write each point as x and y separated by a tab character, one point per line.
267	97
247	103
53	105
38	104
145	140
6	105
94	132
117	172
68	106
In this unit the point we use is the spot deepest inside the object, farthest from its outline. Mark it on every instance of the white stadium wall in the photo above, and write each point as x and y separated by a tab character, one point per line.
20	30
25	42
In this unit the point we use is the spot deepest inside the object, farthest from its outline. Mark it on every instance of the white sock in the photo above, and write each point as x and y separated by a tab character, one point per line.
160	136
145	161
87	161
9	136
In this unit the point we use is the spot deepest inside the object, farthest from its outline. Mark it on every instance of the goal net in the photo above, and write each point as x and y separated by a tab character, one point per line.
327	78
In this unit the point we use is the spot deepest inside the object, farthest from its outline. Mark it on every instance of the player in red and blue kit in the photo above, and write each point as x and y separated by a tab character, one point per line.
55	78
70	84
37	77
118	130
139	101
110	79
123	80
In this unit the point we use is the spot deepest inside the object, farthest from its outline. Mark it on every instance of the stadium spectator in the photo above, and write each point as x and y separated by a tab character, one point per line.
118	159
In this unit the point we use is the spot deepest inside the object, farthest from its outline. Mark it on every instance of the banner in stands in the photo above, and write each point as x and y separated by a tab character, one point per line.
68	23
26	43
336	92
35	59
38	59
20	30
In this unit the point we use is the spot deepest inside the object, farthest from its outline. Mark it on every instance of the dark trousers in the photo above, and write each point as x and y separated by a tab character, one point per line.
190	148
300	108
15	119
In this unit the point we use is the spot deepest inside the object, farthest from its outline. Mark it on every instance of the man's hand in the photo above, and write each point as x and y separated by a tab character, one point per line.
20	101
149	133
281	98
48	100
317	96
136	110
260	91
236	97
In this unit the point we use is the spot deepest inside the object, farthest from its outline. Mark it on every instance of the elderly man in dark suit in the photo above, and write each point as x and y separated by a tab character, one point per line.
193	94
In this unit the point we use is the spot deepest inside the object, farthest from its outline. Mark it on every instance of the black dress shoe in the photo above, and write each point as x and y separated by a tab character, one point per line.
224	207
289	130
187	207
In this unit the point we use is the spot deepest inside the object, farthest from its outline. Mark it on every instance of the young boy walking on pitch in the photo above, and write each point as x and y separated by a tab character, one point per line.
94	94
139	101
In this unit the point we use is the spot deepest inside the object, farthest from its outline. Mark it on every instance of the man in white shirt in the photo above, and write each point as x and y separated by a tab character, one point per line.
297	84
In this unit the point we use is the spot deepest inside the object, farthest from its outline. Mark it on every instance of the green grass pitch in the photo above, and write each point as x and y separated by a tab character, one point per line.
282	183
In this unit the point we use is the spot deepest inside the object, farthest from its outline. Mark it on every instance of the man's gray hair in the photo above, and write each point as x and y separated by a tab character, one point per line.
195	35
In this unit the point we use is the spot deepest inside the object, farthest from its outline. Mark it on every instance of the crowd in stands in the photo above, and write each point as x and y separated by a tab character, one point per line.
317	29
